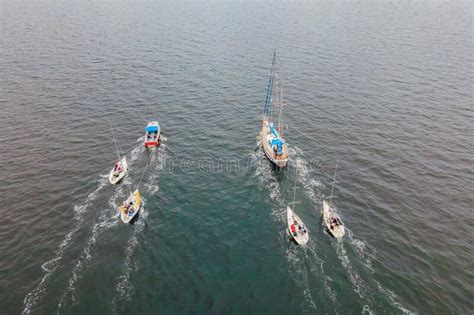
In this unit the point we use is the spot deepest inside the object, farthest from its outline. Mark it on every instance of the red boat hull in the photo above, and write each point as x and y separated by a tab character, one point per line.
152	144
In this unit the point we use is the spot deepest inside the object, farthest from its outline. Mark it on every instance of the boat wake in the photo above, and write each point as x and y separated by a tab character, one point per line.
266	176
316	266
312	187
359	286
108	218
157	164
124	288
365	253
50	266
295	258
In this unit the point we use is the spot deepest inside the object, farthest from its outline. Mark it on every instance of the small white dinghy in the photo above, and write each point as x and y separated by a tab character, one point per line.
130	207
296	227
119	171
332	221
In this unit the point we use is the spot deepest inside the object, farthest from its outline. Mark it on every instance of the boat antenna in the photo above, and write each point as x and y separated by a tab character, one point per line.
333	182
113	139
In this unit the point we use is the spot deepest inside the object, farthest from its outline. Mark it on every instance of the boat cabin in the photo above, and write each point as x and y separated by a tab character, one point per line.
152	135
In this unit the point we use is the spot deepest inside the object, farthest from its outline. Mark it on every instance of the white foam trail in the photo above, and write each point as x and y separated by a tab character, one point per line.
124	288
366	310
311	186
48	267
136	153
108	218
393	299
266	177
358	284
300	275
311	254
367	254
265	174
157	163
362	248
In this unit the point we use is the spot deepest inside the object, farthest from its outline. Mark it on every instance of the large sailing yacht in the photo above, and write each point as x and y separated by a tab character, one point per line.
272	141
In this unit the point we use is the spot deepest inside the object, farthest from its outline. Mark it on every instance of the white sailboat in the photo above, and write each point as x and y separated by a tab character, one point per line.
120	168
273	144
330	218
296	227
119	171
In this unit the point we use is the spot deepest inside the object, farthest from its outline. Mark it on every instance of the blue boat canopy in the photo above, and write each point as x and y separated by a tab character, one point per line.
278	144
152	129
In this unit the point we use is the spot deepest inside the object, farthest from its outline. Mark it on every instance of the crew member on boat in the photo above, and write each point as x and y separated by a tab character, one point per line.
118	167
334	223
293	229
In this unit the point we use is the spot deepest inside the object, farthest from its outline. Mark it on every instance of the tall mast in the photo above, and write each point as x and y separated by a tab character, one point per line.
294	191
115	141
281	104
333	182
268	99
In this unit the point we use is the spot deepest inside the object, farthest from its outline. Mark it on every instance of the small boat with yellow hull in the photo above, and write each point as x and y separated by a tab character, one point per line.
130	207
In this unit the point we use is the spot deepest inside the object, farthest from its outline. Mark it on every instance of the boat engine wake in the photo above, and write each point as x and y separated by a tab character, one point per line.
364	252
266	177
124	288
107	219
296	268
157	164
50	266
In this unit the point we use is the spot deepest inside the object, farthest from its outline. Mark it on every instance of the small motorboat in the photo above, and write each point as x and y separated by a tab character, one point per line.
332	220
119	171
296	227
152	135
130	207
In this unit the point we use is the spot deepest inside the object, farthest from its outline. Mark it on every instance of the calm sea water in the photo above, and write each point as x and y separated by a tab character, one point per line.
383	88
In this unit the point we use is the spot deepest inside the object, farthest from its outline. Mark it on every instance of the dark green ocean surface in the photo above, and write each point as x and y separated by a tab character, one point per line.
384	88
